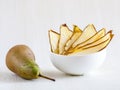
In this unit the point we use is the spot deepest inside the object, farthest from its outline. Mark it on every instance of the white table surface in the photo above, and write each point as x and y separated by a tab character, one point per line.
107	77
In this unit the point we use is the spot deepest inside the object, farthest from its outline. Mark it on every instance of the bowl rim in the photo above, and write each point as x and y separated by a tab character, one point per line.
74	55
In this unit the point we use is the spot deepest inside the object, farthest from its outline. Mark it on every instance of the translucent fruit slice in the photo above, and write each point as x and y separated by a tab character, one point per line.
54	39
88	32
95	47
65	34
76	34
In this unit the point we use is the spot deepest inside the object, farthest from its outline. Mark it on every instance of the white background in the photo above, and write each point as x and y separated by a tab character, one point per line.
28	21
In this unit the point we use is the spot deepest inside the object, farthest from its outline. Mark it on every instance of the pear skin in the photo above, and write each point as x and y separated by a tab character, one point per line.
21	60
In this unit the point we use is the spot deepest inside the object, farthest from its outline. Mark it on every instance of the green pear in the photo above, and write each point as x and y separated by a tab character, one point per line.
21	60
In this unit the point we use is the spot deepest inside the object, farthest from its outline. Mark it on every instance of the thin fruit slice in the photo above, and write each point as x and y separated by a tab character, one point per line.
54	39
94	38
104	38
76	34
76	29
88	32
94	48
65	34
92	43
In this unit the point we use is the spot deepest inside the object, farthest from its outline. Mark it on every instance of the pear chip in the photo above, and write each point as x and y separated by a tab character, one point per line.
54	39
78	42
65	34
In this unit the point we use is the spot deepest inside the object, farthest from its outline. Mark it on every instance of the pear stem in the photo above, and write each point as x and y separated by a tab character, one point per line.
47	77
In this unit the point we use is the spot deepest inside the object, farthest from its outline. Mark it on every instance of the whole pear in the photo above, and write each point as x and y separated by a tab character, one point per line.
21	60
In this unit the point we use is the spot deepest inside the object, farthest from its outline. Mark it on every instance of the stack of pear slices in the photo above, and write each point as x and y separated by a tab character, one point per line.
77	41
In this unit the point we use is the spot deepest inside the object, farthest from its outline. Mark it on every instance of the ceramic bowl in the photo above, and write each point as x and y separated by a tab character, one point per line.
78	65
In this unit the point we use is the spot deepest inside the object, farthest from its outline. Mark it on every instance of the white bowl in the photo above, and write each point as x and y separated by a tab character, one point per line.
78	65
